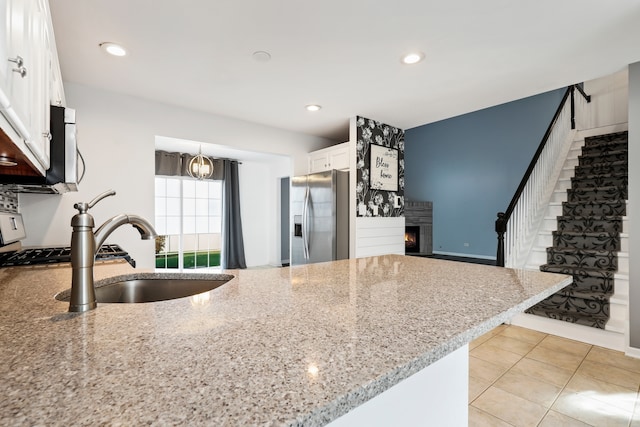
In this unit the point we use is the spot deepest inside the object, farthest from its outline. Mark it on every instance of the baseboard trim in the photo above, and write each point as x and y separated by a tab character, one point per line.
593	336
492	258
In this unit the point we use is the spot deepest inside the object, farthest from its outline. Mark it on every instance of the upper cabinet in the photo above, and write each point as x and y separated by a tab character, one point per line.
334	157
29	78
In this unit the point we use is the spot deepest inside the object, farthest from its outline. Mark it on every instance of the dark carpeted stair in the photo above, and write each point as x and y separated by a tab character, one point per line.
587	240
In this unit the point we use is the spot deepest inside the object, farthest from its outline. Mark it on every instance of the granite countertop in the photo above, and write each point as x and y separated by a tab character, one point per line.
283	346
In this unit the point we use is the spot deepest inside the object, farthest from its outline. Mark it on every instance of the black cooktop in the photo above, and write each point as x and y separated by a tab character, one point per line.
54	255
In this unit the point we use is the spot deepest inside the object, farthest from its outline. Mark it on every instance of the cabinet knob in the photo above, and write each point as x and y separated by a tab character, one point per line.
47	135
17	60
22	71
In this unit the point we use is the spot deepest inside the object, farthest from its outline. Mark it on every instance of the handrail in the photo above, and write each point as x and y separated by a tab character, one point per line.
503	217
586	97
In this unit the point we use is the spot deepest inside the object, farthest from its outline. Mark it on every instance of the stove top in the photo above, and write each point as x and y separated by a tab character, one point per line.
55	255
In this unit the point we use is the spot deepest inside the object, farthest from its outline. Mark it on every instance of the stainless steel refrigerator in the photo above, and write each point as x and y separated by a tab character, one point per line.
320	217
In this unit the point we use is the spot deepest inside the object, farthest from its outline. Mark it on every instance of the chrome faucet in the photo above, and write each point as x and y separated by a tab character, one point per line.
85	245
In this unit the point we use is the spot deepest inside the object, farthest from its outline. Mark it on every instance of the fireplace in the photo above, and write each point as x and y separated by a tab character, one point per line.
418	228
412	239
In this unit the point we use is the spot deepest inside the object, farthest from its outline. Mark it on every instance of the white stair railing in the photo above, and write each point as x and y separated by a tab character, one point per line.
518	225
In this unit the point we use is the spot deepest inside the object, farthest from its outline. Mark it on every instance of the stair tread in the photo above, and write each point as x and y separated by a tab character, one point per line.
578	271
595	153
587	294
581	251
602	175
597	187
596	202
586	233
597	321
590	217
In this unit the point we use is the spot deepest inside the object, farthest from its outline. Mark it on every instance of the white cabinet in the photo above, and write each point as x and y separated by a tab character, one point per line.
27	64
334	157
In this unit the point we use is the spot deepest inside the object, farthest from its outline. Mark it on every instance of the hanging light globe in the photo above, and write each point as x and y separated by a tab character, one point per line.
200	166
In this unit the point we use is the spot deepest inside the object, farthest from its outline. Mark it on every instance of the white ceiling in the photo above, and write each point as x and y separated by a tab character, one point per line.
343	54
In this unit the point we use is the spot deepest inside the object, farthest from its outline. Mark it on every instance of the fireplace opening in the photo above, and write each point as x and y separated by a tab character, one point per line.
412	238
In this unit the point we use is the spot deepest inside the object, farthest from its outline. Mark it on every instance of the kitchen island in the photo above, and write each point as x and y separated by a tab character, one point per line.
296	346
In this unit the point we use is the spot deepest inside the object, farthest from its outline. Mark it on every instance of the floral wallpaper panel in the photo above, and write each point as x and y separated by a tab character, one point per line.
370	200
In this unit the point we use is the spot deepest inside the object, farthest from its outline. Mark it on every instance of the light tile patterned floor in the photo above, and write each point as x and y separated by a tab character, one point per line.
524	378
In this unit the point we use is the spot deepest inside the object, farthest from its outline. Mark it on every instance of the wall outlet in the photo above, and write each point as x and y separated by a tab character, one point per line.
466	245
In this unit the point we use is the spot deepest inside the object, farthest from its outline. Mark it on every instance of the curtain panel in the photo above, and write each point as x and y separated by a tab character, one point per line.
232	255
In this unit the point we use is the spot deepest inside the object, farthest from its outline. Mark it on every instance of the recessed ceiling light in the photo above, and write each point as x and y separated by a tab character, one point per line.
412	58
262	56
313	107
113	49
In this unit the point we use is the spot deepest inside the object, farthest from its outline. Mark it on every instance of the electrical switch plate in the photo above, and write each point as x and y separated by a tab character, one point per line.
466	245
396	202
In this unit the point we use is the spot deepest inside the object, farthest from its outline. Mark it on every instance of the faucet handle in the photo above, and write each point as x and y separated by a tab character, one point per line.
83	207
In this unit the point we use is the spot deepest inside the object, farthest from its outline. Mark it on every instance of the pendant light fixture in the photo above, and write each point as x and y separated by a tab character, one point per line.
200	166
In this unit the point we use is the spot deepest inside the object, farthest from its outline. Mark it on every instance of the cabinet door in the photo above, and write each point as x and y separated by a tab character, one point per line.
318	162
39	87
339	158
16	65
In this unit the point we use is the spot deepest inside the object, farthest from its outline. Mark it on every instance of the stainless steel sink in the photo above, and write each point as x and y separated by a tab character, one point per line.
149	289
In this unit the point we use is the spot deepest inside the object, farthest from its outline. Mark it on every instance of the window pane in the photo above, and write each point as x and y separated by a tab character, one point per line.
214	241
188	207
202	224
215	224
161	206
215	207
189	224
173	206
173	187
189	188
202	207
161	186
202	189
173	225
190	242
215	189
161	225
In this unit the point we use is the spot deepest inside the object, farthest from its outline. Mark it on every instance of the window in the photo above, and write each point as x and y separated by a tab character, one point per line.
189	222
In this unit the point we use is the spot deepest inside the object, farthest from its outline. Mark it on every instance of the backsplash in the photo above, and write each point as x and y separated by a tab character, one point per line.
379	187
8	201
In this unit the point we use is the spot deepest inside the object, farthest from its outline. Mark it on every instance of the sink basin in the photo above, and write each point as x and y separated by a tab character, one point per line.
150	289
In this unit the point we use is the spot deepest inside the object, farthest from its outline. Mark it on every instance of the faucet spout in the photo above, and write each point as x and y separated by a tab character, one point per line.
85	245
143	226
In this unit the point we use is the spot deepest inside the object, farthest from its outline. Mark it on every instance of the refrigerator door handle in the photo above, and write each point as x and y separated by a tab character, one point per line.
305	224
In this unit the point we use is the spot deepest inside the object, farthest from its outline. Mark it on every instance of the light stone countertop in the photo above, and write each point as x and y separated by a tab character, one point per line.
283	346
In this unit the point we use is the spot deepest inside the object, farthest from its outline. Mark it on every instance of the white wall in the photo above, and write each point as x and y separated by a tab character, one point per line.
116	136
609	96
260	206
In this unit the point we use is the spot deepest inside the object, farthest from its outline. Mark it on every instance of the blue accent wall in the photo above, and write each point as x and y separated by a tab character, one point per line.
470	166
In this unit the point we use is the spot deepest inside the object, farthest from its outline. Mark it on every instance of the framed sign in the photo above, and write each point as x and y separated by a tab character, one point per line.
384	168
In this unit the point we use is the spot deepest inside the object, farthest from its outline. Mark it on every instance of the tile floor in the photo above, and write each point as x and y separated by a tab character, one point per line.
520	377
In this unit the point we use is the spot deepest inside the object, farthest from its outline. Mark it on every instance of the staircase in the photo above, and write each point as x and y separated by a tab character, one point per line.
587	239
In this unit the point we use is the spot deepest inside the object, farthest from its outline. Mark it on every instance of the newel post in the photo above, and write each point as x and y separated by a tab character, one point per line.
501	228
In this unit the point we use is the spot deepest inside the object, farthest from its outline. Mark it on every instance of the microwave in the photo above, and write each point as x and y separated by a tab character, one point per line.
64	159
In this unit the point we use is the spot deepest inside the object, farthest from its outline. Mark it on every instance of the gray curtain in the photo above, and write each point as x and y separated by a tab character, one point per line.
232	242
168	164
